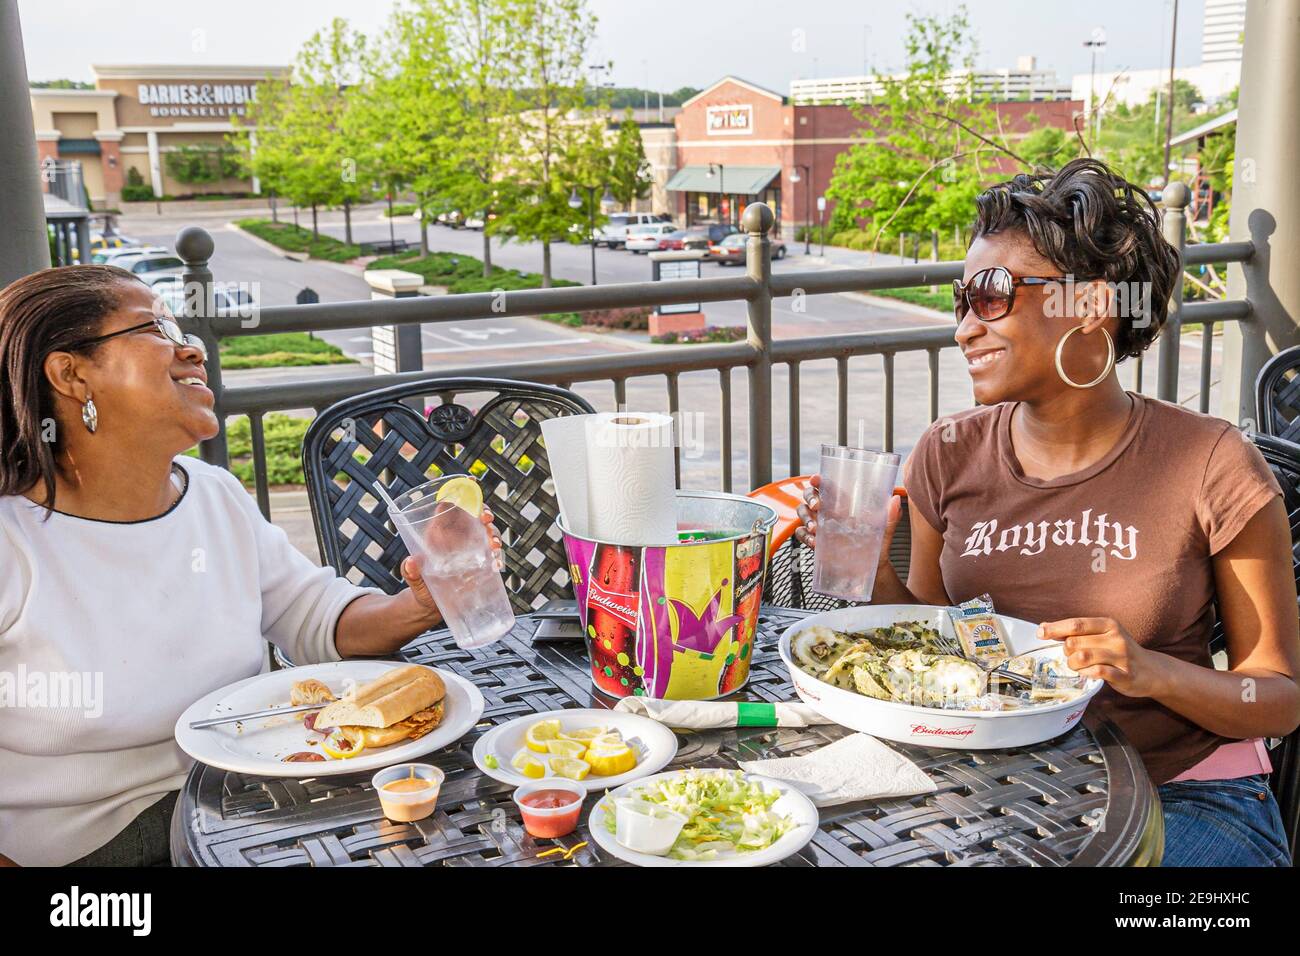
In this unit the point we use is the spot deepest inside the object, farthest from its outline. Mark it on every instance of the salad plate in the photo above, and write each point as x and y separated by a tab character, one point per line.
772	816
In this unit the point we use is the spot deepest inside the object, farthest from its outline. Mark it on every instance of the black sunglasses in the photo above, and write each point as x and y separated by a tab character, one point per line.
160	325
990	293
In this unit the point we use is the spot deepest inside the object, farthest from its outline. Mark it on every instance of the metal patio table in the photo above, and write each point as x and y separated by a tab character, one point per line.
1083	799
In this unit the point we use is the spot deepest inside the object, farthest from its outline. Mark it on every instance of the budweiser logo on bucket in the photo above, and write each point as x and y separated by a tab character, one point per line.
925	730
621	606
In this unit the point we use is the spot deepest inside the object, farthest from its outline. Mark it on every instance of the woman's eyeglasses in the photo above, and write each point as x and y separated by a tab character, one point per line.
990	293
160	325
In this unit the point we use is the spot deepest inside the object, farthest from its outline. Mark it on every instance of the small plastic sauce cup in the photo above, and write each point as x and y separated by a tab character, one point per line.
408	791
551	806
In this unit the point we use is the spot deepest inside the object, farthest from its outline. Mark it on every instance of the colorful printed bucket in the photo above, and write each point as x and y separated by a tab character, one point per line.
676	621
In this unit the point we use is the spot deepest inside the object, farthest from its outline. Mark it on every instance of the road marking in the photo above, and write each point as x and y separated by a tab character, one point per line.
482	335
540	343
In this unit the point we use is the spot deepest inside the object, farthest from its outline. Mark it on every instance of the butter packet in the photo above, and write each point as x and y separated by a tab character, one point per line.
979	632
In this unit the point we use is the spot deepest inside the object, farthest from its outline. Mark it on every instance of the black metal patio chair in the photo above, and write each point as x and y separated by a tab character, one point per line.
1277	396
1283	459
380	437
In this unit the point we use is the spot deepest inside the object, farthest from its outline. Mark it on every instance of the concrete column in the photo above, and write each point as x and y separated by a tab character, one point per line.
24	240
397	348
155	165
1265	202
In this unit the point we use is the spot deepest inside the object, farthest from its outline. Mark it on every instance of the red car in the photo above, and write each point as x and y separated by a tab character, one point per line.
732	250
672	242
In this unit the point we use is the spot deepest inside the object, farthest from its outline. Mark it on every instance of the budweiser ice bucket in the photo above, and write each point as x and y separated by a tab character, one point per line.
675	621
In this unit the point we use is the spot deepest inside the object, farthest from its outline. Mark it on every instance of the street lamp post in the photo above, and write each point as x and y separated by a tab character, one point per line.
575	202
1098	46
807	214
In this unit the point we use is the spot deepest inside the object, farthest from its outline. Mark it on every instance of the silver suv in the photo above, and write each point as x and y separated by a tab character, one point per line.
614	233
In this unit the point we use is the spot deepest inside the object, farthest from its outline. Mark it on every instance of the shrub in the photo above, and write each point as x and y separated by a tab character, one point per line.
710	333
296	239
635	318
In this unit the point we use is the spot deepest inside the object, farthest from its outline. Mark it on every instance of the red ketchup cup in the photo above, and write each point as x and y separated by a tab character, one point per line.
551	806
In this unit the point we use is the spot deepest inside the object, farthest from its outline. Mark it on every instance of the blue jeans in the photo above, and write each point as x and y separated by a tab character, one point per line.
1223	823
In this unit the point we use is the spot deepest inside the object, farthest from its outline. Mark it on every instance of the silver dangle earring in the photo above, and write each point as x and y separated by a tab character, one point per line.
90	415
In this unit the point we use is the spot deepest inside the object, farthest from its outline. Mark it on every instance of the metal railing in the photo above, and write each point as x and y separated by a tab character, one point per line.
757	355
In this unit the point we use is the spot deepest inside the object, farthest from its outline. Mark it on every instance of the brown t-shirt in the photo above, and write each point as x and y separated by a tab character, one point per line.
1130	537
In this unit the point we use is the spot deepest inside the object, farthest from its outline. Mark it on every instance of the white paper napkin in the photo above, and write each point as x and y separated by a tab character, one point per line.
705	714
857	767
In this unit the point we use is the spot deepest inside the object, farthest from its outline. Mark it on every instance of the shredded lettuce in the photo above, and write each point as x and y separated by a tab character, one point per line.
723	810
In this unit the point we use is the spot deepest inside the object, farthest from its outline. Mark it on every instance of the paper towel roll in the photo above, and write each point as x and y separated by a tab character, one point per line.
631	485
566	449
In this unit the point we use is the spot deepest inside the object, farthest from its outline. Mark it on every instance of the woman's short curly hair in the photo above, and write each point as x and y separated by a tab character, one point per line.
1092	224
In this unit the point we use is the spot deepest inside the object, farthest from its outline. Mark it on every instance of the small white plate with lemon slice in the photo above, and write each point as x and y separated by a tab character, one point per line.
616	748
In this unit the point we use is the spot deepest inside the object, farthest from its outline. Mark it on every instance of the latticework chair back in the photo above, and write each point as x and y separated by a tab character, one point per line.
488	428
1277	395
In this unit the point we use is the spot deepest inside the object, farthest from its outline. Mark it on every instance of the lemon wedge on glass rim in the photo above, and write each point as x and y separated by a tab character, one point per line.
463	492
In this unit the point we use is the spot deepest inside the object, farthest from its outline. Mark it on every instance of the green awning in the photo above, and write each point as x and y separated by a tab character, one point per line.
79	147
739	180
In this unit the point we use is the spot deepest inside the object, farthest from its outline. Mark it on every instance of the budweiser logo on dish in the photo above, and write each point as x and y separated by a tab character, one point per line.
925	730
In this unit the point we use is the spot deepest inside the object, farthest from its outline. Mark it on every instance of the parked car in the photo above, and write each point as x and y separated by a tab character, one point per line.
732	250
230	298
646	238
672	242
145	266
701	237
613	233
114	256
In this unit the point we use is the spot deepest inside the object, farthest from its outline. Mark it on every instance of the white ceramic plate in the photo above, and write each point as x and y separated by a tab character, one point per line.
792	802
257	747
658	742
932	726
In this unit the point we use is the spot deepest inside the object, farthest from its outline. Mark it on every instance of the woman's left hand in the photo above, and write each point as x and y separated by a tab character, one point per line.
1100	647
411	571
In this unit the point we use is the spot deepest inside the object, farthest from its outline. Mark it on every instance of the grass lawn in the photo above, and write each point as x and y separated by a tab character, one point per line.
278	350
931	300
460	273
292	238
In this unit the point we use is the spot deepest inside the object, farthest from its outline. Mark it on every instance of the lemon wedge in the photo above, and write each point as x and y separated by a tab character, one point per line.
528	765
566	748
585	734
613	739
570	767
611	761
341	747
463	492
541	732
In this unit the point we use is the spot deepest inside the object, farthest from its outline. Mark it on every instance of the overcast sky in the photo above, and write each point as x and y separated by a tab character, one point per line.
665	44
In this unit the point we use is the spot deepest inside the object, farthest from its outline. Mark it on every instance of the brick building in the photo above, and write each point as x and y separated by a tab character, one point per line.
738	143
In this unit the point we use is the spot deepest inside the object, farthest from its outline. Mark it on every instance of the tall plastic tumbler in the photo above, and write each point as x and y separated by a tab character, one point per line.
452	549
856	486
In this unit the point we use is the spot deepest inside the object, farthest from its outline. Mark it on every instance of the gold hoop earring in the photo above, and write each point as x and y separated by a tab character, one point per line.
1110	359
90	415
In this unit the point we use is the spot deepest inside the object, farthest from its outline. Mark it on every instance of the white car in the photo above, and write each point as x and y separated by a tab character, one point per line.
641	239
113	257
614	233
225	297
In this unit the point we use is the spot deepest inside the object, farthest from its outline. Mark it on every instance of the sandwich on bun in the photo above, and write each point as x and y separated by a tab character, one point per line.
404	704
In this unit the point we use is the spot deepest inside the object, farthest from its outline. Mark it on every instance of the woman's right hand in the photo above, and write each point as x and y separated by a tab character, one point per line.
808	511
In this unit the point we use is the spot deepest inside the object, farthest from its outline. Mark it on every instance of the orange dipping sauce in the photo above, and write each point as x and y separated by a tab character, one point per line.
408	785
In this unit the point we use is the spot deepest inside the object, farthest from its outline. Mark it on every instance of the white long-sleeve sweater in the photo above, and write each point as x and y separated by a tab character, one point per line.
155	614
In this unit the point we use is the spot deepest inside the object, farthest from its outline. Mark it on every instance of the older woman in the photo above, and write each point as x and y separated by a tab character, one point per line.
1117	521
140	578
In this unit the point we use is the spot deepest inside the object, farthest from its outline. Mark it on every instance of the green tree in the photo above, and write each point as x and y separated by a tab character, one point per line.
553	38
929	144
629	171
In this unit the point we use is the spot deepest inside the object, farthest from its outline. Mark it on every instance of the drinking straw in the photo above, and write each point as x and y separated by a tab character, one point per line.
392	505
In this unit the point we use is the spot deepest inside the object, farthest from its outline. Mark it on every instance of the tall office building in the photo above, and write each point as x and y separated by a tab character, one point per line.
1222	30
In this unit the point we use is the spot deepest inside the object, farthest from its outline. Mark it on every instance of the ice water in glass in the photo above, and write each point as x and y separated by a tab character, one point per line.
856	485
454	554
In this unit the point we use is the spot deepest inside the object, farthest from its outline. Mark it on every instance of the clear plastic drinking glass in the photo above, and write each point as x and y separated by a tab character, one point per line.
856	485
454	554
